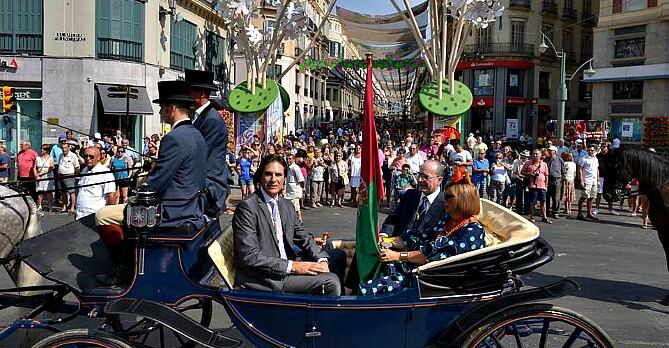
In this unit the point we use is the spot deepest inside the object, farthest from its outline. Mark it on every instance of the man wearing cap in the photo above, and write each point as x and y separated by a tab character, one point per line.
212	127
556	170
180	173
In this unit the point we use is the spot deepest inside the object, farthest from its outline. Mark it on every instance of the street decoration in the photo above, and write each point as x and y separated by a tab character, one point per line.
341	63
441	63
260	46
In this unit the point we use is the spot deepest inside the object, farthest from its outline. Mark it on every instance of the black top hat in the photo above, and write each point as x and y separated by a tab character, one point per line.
173	91
200	79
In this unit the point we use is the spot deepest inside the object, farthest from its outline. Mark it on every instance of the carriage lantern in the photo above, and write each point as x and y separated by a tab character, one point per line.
143	211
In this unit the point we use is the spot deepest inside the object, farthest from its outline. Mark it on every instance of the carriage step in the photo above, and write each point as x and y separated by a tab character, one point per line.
172	319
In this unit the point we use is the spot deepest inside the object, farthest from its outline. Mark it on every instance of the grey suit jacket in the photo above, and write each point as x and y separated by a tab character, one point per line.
259	265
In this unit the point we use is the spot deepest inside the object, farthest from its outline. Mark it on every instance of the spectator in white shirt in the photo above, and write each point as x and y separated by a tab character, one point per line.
294	184
588	167
415	158
68	166
95	190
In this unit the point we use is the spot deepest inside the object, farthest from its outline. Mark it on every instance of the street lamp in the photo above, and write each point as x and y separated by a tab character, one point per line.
543	47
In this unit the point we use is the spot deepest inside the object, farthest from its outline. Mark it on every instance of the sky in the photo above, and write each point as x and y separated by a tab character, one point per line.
374	6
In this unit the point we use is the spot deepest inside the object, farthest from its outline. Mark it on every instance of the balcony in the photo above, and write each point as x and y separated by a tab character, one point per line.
498	48
120	50
569	13
526	4
549	7
589	19
30	44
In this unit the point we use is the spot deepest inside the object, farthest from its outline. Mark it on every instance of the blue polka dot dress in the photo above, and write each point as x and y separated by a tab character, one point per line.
433	245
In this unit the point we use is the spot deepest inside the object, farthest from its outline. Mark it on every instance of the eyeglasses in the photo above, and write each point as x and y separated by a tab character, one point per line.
425	176
481	153
89	156
448	196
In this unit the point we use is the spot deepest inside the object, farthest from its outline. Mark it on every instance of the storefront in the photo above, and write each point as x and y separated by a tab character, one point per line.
501	90
122	107
25	123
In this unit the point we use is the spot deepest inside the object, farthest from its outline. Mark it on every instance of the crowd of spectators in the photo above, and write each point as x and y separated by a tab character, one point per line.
538	178
542	179
76	176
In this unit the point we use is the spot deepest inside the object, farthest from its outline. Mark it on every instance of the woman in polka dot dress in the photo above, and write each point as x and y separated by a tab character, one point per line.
457	233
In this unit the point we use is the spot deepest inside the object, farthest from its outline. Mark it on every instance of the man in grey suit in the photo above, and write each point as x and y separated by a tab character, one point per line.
268	239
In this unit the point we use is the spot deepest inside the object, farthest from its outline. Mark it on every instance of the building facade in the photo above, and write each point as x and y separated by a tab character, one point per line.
632	63
75	60
515	86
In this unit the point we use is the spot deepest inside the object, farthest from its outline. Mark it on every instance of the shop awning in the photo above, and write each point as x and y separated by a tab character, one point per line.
115	99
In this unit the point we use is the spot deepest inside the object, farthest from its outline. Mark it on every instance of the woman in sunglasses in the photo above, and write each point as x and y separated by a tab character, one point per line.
457	233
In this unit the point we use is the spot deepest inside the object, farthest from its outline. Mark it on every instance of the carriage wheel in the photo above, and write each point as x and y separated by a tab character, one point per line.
538	325
152	334
80	338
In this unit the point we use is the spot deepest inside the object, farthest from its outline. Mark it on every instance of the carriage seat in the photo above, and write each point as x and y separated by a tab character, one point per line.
513	247
222	251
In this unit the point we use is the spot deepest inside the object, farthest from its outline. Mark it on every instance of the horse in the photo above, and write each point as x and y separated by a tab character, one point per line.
18	221
652	171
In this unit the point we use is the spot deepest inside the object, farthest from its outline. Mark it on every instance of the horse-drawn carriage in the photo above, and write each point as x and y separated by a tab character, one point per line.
471	300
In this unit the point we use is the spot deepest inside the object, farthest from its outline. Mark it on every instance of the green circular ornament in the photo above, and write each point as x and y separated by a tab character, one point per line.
448	105
285	98
241	99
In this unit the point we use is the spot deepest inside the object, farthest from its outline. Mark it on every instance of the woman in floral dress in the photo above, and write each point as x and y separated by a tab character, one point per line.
457	233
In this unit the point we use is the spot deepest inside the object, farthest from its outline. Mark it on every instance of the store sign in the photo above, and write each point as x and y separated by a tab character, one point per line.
482	102
72	37
8	64
496	64
516	101
627	129
511	129
28	94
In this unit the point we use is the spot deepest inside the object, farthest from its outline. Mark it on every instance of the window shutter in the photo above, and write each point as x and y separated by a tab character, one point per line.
617	6
5	17
102	15
137	21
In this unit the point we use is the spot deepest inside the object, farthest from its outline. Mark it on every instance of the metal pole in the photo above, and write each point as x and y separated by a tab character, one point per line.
562	95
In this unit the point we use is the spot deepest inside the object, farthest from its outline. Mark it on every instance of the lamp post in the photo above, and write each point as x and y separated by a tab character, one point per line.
564	79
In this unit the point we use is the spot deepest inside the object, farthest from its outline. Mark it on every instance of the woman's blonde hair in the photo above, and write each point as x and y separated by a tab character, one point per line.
466	199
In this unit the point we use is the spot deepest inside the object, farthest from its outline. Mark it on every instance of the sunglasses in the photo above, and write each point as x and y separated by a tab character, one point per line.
89	156
448	196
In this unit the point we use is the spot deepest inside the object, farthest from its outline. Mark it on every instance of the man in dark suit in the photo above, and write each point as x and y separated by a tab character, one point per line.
268	237
212	126
179	174
421	208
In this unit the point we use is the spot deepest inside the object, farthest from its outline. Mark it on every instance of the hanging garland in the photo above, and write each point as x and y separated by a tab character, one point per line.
340	63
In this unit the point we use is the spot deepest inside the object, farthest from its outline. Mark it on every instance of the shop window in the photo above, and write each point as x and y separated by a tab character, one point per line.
484	80
628	90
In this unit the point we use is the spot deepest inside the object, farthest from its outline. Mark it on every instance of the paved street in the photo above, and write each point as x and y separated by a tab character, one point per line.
619	266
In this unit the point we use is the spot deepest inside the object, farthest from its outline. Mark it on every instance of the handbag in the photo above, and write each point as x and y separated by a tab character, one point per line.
507	179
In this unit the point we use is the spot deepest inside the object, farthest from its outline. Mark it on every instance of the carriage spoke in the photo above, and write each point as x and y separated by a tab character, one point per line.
544	333
516	334
572	338
178	337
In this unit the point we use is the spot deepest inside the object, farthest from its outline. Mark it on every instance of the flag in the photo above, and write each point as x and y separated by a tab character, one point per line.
366	236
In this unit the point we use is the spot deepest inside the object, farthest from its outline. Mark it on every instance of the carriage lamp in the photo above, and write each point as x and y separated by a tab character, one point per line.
143	211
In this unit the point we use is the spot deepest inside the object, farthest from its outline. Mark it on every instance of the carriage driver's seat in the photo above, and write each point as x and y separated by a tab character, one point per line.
222	251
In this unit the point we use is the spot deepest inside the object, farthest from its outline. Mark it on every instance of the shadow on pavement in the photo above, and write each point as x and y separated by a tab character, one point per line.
631	295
